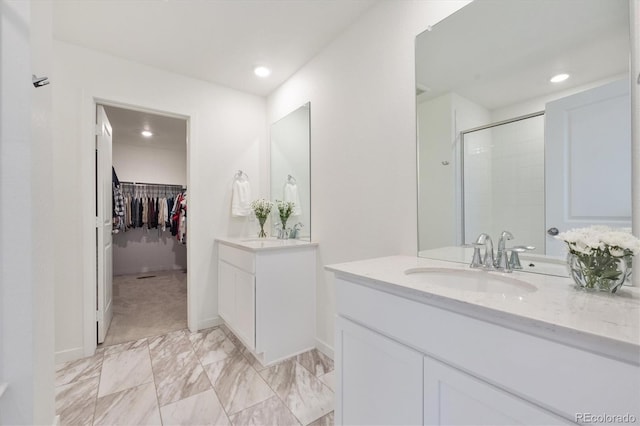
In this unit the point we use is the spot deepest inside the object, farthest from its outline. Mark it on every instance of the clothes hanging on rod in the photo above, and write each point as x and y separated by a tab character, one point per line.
151	206
117	198
179	218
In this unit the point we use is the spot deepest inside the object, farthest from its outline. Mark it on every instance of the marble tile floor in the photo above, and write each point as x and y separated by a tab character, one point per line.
184	378
147	307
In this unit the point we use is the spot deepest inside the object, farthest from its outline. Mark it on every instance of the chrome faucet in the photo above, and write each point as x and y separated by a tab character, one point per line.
485	261
502	260
295	230
514	260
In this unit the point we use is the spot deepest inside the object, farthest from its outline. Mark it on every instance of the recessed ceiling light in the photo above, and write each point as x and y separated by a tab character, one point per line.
146	133
559	78
262	71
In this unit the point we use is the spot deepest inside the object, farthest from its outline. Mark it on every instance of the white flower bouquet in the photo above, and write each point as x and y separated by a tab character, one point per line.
599	256
261	208
285	208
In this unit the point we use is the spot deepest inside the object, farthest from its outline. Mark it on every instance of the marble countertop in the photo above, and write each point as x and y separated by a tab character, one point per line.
260	244
604	323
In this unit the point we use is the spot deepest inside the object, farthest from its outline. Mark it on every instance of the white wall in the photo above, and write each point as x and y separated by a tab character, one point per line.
537	104
634	6
436	195
26	261
363	139
148	164
227	132
478	189
440	122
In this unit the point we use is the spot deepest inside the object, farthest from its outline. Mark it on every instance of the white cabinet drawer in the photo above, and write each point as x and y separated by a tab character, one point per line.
239	258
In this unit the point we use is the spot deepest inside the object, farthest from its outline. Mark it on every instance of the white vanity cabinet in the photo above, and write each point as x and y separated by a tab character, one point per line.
266	295
381	380
453	397
407	357
387	383
236	299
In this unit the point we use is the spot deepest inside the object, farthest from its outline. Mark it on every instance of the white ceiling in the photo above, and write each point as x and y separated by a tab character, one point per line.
168	132
220	41
501	52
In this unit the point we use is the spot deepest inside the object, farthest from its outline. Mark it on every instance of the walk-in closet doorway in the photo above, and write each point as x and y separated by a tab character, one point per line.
142	223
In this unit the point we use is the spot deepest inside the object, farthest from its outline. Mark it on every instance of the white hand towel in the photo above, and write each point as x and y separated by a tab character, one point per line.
241	198
291	195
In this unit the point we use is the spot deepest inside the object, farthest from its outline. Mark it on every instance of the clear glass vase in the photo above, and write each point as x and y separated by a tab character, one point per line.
262	234
598	272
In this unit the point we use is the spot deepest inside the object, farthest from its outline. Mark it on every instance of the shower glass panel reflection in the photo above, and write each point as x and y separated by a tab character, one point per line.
503	181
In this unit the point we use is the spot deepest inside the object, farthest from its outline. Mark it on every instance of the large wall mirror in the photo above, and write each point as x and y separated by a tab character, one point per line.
291	167
500	146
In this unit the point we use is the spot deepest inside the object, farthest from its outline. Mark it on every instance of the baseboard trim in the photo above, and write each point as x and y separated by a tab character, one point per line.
69	355
210	322
324	348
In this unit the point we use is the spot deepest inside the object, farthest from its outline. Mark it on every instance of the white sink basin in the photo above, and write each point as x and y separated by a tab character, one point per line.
471	280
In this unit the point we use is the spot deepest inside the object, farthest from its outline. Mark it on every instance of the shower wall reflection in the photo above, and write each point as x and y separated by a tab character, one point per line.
503	174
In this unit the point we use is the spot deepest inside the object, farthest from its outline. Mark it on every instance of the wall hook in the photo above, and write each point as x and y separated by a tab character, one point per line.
39	81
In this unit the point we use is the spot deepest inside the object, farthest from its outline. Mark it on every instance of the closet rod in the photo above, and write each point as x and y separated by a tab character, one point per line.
151	184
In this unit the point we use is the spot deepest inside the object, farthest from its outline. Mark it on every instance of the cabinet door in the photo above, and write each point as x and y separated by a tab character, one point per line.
379	380
226	302
245	307
452	397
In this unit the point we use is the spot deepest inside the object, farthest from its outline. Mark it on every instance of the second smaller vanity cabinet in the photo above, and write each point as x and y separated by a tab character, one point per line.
266	295
236	300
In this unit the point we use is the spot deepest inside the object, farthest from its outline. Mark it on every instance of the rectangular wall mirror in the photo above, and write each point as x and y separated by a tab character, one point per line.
291	168
500	146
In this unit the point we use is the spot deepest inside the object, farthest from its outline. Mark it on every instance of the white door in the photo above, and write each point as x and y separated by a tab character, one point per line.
588	161
380	380
452	397
104	213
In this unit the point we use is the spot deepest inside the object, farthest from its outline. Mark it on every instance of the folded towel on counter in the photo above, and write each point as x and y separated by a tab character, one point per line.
241	198
291	195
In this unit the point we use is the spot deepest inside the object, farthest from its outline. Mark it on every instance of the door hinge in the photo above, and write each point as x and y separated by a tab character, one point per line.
98	130
99	315
98	222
